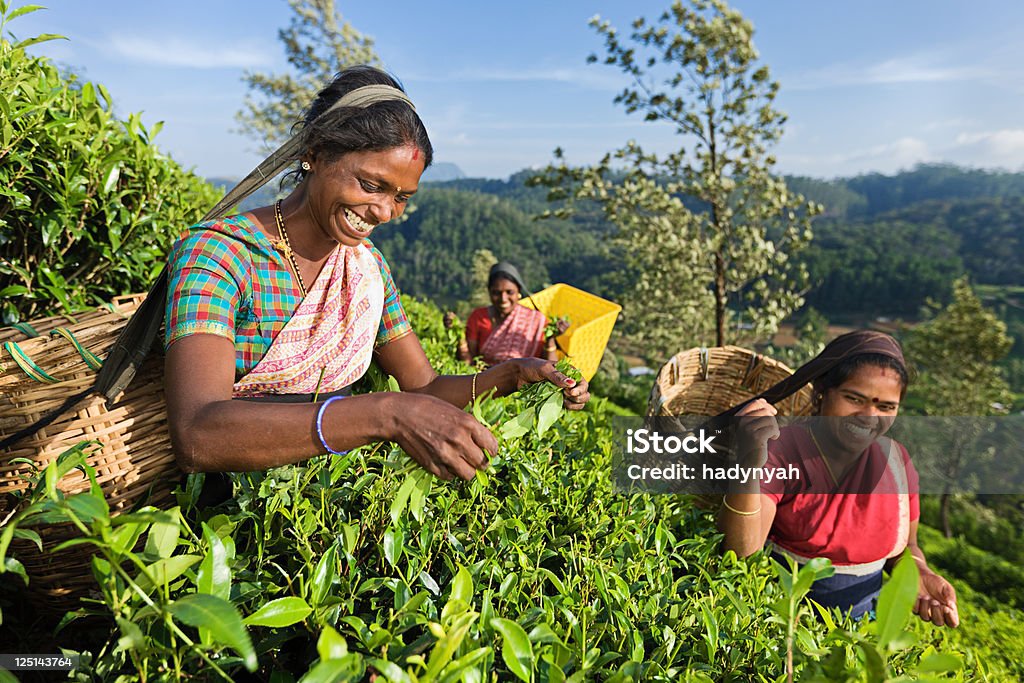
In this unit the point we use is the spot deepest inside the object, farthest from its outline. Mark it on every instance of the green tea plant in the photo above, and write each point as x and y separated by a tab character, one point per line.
88	205
347	567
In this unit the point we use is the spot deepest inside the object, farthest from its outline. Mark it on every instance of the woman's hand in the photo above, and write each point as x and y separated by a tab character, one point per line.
444	440
936	600
756	426
530	370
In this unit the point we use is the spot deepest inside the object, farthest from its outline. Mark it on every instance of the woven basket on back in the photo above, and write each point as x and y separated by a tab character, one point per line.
709	381
133	462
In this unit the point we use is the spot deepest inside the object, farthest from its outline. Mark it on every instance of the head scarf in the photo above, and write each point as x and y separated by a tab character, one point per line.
509	272
843	347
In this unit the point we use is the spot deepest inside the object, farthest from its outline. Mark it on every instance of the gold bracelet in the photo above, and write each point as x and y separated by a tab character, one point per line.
743	513
474	387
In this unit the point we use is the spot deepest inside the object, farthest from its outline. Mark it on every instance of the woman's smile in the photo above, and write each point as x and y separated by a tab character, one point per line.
358	224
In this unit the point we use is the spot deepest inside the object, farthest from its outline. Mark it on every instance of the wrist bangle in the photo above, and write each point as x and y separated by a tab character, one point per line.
473	400
743	513
320	425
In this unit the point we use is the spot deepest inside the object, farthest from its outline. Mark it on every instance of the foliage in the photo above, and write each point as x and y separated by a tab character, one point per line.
432	251
696	69
88	205
340	567
956	353
614	382
483	259
1003	581
317	44
811	332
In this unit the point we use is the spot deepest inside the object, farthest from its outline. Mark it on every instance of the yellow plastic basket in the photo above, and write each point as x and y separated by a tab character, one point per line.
592	319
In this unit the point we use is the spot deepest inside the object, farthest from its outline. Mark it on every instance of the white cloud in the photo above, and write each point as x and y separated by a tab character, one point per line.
889	157
911	69
591	78
179	52
1004	148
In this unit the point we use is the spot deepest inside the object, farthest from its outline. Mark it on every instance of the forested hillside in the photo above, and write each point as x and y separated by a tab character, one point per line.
884	245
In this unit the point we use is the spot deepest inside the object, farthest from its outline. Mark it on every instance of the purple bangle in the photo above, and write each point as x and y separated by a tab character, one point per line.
320	425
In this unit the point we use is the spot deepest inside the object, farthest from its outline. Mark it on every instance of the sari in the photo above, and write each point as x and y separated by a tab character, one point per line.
520	335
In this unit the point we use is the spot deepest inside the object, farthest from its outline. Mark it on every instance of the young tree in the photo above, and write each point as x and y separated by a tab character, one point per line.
483	259
956	354
318	44
707	230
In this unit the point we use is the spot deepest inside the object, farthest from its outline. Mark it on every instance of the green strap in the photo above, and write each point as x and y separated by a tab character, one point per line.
90	358
27	365
26	329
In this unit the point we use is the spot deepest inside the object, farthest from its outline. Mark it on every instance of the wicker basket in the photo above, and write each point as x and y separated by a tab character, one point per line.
592	319
708	381
133	463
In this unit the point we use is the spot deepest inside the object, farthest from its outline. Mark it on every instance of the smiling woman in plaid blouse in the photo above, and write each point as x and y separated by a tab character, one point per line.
272	314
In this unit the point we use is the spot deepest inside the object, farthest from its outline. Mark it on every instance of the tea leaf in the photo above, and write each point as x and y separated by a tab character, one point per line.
214	576
221	619
516	650
323	577
279	613
548	413
331	645
462	586
896	601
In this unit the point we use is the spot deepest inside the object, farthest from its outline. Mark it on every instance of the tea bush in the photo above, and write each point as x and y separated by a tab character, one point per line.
88	205
537	570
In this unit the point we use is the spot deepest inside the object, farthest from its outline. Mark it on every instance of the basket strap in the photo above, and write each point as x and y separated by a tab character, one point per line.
27	365
90	358
26	330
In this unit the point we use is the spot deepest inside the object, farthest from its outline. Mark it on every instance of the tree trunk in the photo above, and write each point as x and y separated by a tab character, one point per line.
944	502
719	300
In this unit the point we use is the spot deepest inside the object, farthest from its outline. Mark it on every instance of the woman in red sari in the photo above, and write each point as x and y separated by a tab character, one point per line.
272	314
505	329
856	501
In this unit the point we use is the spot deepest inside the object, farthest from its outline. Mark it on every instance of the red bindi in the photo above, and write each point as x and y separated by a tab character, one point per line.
415	153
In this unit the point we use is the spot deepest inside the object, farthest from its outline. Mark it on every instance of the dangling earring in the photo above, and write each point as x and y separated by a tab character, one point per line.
305	166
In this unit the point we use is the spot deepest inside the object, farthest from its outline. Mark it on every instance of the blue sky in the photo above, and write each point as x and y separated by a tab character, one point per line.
867	85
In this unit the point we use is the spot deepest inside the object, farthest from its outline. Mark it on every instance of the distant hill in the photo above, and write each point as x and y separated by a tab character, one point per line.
884	245
441	172
269	193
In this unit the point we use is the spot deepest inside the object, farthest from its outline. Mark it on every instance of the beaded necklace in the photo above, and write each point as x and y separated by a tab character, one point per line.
285	246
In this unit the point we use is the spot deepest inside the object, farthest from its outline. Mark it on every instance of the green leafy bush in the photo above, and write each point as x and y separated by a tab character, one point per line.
88	205
343	566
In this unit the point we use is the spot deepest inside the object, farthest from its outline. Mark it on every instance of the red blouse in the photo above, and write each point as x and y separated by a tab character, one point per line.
866	521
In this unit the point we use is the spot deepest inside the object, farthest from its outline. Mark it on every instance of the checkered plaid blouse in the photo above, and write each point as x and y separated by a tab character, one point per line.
227	279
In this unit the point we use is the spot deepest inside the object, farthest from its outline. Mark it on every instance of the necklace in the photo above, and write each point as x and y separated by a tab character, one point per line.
285	247
824	457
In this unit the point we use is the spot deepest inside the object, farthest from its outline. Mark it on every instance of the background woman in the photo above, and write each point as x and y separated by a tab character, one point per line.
856	502
291	302
505	330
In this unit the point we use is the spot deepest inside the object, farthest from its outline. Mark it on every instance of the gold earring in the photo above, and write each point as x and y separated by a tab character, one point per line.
305	166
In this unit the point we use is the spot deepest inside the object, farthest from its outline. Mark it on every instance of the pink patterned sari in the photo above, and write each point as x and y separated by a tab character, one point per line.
328	342
520	335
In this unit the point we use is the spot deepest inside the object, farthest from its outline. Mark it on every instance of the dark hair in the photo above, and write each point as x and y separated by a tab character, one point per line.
845	369
380	126
502	276
503	270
